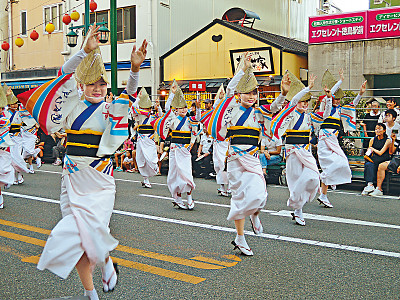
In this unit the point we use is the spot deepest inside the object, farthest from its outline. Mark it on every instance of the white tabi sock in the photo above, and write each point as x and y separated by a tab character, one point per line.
91	294
240	240
109	276
299	212
146	180
323	197
223	188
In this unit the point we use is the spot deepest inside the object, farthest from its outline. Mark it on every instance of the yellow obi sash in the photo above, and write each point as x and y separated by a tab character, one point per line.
297	137
180	137
145	129
241	135
15	128
331	123
83	142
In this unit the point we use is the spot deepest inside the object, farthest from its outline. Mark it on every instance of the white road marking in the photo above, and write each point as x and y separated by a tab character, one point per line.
286	213
232	230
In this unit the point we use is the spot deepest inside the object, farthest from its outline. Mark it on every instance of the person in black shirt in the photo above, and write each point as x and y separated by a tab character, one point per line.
369	122
377	153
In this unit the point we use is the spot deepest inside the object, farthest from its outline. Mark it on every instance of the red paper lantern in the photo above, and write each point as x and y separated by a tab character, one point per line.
93	5
5	46
34	35
66	19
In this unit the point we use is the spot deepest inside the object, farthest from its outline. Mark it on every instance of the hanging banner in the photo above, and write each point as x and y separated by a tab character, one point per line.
365	25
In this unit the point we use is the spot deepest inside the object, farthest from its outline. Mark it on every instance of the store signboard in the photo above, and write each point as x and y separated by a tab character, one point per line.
260	58
364	25
199	86
384	23
338	28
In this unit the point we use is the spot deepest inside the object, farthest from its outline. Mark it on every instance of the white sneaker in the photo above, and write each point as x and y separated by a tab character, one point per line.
376	192
190	203
242	246
178	202
256	224
38	162
368	189
31	171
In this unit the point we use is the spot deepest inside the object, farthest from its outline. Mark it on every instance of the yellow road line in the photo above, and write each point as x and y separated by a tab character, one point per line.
214	261
159	271
232	257
167	258
31	259
25	227
22	238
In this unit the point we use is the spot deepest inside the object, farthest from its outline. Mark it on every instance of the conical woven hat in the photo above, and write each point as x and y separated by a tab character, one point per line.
296	86
179	100
91	69
3	98
247	83
11	99
144	99
221	89
329	81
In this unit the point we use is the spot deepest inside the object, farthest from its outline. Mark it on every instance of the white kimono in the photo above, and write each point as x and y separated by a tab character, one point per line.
28	134
302	173
6	168
146	148
94	131
245	175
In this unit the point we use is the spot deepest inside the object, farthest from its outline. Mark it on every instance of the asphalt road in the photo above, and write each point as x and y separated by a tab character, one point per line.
351	251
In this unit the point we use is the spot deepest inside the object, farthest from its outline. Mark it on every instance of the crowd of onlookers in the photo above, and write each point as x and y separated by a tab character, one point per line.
380	127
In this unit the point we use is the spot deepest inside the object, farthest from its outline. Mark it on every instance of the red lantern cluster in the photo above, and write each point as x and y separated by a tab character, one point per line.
92	5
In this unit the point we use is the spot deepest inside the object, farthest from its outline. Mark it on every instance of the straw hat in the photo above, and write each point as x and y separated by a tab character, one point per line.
144	99
3	98
91	69
296	86
247	83
329	81
179	100
11	99
221	89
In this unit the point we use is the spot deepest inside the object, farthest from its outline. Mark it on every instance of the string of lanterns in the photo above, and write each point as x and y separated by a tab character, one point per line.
49	28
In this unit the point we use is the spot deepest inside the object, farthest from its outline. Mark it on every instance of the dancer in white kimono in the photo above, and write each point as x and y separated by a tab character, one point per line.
146	148
302	173
95	129
6	169
243	125
333	161
16	121
183	134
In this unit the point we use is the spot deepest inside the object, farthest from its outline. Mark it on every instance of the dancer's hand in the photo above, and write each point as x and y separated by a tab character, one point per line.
285	84
247	63
341	74
92	39
138	56
363	88
311	81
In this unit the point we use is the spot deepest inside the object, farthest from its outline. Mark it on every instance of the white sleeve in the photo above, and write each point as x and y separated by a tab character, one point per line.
277	104
336	87
328	108
198	113
168	103
133	82
298	96
230	89
71	64
357	100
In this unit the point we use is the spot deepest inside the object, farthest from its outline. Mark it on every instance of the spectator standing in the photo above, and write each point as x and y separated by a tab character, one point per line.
59	150
205	151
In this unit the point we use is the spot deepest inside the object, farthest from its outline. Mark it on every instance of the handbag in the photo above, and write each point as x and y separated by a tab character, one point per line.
394	164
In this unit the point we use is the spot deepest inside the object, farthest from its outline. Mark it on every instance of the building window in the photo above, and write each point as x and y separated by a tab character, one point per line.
126	21
53	13
23	22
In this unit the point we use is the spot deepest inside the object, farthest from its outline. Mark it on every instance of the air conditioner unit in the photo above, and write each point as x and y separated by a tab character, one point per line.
378	2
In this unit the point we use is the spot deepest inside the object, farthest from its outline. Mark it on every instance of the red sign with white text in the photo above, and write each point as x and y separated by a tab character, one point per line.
383	23
199	86
364	25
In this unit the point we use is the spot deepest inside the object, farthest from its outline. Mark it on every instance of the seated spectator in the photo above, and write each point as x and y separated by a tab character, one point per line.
369	122
390	122
127	163
391	103
118	161
270	153
59	149
128	145
203	154
394	148
377	153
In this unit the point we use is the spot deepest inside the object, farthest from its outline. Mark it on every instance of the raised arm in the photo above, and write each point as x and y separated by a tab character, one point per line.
277	104
304	91
328	103
339	83
137	58
362	91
